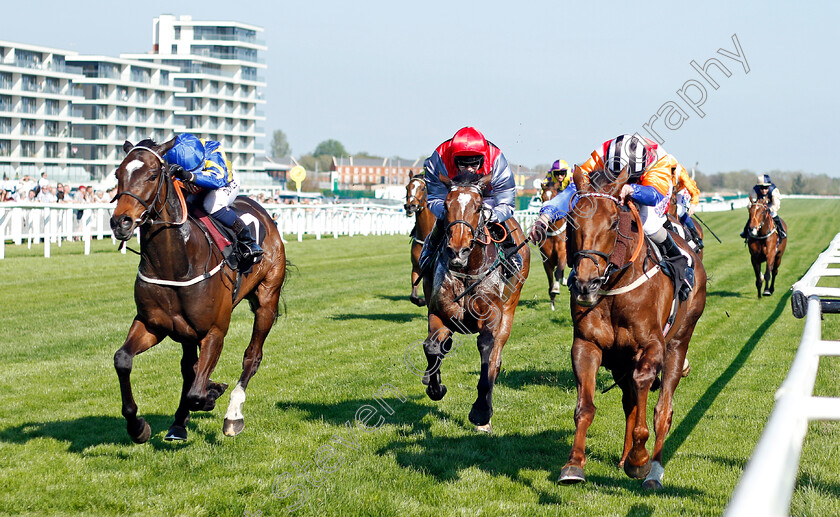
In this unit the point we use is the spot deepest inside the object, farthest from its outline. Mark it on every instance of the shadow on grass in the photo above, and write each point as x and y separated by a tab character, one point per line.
819	484
399	317
90	431
727	294
519	379
695	414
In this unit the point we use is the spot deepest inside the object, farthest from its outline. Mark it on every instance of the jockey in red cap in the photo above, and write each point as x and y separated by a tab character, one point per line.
469	152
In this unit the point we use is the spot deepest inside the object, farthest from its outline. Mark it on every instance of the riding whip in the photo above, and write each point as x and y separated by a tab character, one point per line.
707	227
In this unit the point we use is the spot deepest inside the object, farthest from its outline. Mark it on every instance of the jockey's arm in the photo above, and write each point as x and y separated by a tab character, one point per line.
776	200
559	206
436	191
503	191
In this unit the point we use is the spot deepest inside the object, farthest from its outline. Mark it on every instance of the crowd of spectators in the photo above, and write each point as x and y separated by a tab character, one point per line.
27	190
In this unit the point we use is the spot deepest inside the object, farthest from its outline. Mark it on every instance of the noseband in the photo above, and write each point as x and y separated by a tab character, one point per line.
412	197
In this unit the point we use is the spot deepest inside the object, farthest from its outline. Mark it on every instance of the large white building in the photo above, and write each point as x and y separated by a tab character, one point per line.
69	114
37	113
220	71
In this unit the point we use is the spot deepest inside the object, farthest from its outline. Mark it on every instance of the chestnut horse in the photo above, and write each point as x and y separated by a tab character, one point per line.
184	289
467	256
621	322
553	248
424	221
765	244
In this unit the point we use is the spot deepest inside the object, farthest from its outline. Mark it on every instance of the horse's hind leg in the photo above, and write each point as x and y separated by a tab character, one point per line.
178	430
139	339
264	305
198	398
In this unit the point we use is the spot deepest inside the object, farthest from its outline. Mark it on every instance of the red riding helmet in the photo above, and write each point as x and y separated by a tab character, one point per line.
469	147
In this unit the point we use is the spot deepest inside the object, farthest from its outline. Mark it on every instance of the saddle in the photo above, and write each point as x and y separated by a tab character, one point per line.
224	238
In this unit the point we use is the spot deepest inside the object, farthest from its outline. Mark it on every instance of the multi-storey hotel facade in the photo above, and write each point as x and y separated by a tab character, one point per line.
69	114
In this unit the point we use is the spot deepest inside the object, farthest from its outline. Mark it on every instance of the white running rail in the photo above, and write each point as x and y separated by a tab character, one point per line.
767	484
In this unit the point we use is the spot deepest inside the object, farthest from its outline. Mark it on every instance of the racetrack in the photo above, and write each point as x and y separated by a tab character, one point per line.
347	327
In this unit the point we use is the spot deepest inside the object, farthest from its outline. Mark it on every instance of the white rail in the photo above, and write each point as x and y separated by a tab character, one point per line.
767	484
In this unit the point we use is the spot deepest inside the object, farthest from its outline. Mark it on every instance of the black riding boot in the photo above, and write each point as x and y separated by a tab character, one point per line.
249	248
507	248
746	229
779	227
671	251
695	235
431	246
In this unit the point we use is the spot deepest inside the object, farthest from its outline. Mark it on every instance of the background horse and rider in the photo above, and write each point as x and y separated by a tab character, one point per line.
764	243
471	257
627	318
424	221
553	248
185	290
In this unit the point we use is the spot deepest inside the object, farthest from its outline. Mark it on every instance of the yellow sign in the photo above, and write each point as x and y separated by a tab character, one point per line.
298	174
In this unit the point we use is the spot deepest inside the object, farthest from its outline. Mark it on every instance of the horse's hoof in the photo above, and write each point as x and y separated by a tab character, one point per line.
233	427
176	433
436	394
635	472
571	474
425	379
485	428
480	417
767	292
144	434
552	306
652	484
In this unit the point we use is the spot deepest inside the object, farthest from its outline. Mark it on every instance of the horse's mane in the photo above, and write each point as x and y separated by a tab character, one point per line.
465	179
599	179
146	142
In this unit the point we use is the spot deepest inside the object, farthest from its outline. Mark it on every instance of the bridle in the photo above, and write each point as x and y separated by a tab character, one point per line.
150	208
477	230
420	203
765	212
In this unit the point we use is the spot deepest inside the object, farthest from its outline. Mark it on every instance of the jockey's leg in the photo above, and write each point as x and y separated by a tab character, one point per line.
779	227
652	226
217	203
507	247
688	223
431	246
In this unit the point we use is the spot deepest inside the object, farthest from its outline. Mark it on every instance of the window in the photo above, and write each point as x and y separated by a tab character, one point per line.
27	149
5	148
5	103
27	105
51	128
5	125
28	127
52	85
142	95
51	150
52	107
139	75
164	77
29	83
6	80
122	113
141	115
160	98
122	93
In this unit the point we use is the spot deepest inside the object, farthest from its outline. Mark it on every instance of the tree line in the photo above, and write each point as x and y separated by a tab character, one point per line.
788	182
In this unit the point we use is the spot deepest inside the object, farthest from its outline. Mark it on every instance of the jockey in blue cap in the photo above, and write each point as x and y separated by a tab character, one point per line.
202	166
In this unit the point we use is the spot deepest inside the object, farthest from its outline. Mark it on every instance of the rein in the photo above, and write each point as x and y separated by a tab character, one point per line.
764	219
152	206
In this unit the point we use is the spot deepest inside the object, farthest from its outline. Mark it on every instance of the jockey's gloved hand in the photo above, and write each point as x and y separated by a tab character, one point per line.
180	173
538	231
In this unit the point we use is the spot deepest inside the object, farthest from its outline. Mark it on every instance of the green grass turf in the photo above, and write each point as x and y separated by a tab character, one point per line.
64	448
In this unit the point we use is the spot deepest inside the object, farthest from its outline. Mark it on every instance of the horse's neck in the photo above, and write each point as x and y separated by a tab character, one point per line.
425	221
166	246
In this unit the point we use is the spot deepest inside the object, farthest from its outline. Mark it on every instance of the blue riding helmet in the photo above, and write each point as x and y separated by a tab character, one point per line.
188	152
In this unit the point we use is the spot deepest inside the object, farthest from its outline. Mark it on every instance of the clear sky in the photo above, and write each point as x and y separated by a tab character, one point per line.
542	79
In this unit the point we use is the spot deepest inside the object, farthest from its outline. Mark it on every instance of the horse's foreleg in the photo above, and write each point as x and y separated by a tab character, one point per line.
628	402
211	348
436	345
776	262
490	349
770	273
586	359
757	269
265	313
415	298
178	430
637	465
139	339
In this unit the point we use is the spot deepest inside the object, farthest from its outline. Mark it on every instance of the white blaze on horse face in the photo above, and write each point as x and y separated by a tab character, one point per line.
132	166
463	200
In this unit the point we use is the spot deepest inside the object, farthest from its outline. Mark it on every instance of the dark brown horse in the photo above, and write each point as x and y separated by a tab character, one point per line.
621	321
468	254
184	289
765	244
553	248
424	221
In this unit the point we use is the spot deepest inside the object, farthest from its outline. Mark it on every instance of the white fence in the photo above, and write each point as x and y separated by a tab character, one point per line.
767	484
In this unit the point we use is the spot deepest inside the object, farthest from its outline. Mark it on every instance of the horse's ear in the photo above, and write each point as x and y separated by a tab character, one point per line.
753	197
128	146
166	146
581	181
445	180
620	181
484	182
410	174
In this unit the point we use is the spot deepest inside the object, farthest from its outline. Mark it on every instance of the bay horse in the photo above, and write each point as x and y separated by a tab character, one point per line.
621	322
764	244
553	248
424	221
468	254
184	289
